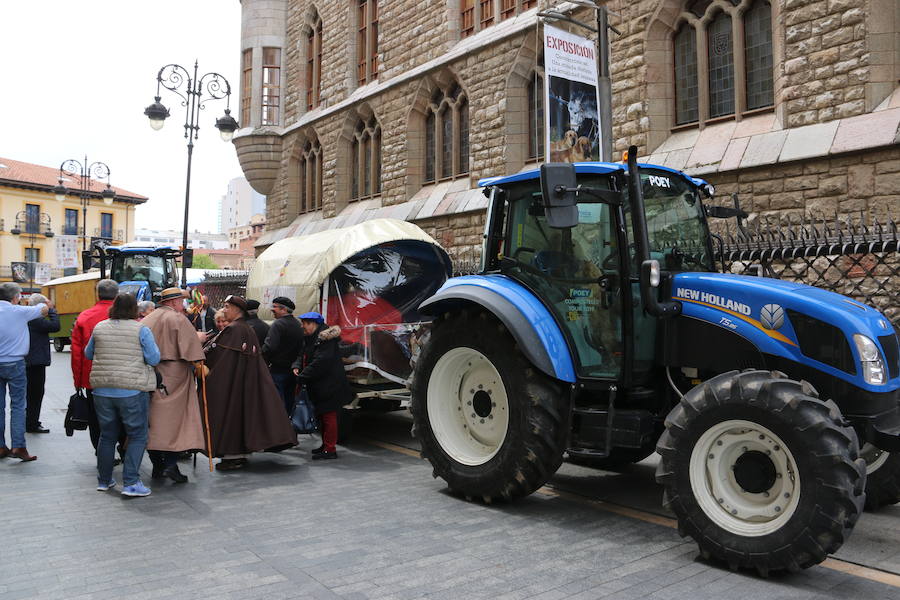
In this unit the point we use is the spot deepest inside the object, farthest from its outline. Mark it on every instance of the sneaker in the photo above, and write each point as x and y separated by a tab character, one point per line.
325	455
318	450
136	489
103	487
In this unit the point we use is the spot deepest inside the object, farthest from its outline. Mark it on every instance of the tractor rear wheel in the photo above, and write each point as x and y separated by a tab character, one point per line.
882	477
760	472
492	426
59	344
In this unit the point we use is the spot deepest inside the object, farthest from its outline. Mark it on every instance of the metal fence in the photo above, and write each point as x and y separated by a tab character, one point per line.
844	255
218	286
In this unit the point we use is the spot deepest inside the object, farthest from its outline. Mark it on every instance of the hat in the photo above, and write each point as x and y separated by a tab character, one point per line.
252	304
285	302
237	301
312	316
169	293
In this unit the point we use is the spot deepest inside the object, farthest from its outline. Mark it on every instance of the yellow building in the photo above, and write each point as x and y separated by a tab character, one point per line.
37	228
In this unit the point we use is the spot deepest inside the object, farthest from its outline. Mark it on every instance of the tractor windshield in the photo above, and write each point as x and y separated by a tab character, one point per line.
675	225
143	267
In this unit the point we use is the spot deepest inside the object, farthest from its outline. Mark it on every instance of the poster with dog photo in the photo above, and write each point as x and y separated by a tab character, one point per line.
572	120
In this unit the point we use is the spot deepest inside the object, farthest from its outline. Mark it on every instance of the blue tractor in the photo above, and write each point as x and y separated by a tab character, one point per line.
600	328
140	270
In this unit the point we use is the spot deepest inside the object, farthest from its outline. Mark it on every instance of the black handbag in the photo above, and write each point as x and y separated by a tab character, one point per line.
78	414
303	418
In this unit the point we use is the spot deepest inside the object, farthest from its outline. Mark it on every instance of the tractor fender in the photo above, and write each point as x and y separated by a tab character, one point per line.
527	319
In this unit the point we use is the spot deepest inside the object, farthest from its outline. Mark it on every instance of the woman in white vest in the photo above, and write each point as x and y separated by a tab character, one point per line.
124	354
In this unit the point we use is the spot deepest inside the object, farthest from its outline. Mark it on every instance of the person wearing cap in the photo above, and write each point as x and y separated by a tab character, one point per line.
281	347
320	368
175	424
246	413
256	324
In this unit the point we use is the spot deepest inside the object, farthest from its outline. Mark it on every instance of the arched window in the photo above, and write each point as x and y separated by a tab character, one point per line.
314	63
477	15
758	55
447	135
739	72
366	41
311	176
536	117
365	178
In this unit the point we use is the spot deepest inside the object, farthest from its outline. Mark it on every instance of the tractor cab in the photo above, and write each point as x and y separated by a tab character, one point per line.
140	270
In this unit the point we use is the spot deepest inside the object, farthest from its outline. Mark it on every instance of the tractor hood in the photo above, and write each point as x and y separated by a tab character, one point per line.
808	325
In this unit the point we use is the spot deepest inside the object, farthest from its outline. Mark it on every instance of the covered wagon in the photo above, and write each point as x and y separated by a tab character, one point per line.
369	279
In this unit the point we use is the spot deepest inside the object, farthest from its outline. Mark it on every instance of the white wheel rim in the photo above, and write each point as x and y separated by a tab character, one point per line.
874	457
718	492
467	406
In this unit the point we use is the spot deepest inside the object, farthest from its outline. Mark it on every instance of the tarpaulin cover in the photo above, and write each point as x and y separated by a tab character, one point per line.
369	279
297	267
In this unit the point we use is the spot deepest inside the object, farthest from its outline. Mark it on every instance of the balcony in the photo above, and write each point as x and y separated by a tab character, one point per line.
112	235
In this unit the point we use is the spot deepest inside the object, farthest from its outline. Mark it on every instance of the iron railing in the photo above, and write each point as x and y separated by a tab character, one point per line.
218	286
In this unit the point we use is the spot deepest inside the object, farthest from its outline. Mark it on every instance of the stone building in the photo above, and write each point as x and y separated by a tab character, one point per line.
353	111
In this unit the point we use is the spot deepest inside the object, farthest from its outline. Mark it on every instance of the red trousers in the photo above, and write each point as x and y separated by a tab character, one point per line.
329	430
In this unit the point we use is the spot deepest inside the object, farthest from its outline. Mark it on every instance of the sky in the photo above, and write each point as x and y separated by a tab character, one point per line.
77	77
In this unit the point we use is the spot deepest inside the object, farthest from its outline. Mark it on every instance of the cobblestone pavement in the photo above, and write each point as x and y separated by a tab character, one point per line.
372	524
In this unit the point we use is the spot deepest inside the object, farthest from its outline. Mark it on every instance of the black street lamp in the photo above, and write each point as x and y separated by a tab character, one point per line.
32	226
86	172
176	78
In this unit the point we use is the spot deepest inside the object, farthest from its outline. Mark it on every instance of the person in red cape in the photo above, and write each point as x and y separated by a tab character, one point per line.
246	413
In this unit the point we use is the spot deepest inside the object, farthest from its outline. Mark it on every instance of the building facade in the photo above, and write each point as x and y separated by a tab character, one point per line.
239	204
174	238
33	223
351	111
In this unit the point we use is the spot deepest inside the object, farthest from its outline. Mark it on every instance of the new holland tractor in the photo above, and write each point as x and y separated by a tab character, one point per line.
600	328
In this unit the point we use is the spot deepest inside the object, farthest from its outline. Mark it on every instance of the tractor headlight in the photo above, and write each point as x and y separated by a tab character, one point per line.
870	359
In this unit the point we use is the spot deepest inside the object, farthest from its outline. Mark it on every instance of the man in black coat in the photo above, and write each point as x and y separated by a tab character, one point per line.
205	319
36	363
258	325
321	370
282	347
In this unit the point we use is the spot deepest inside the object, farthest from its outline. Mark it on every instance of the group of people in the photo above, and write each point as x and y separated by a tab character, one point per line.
159	379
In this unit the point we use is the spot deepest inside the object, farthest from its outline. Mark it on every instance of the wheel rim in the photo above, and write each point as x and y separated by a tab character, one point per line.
468	408
744	478
874	457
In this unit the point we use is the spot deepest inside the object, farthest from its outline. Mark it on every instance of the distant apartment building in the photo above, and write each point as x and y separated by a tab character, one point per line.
244	237
171	237
239	203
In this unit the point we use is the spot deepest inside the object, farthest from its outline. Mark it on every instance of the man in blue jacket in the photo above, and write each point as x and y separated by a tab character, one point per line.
37	361
14	343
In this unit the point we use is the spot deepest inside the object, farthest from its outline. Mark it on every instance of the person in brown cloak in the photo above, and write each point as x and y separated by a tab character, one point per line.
246	413
175	424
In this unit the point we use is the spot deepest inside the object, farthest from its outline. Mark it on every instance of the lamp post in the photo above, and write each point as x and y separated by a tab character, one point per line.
32	227
191	89
604	84
86	172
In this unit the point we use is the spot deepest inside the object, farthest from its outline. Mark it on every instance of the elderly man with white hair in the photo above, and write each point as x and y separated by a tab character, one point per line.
14	342
37	361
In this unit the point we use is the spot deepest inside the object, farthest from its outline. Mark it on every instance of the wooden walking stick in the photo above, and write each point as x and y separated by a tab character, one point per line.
206	416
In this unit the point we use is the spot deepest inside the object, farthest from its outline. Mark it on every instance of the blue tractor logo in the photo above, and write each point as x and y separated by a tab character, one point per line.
771	316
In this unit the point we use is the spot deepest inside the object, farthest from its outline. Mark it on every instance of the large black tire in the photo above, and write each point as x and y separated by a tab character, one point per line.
59	344
882	483
536	406
345	425
801	504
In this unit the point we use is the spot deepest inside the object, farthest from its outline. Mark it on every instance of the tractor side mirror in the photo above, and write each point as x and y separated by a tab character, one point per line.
187	257
559	186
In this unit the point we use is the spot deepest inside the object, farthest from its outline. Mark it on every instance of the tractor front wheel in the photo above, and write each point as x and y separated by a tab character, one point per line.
882	477
492	426
760	472
59	344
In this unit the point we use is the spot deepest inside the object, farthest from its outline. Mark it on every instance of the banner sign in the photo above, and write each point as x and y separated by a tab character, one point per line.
42	273
570	86
22	271
66	251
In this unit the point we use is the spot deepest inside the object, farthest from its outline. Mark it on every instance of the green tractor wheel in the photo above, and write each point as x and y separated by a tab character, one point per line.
760	472
492	426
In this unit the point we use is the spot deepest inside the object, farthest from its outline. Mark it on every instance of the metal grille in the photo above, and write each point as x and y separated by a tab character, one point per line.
218	286
846	255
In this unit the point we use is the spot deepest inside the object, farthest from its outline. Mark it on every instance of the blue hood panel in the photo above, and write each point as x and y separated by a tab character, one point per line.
756	309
